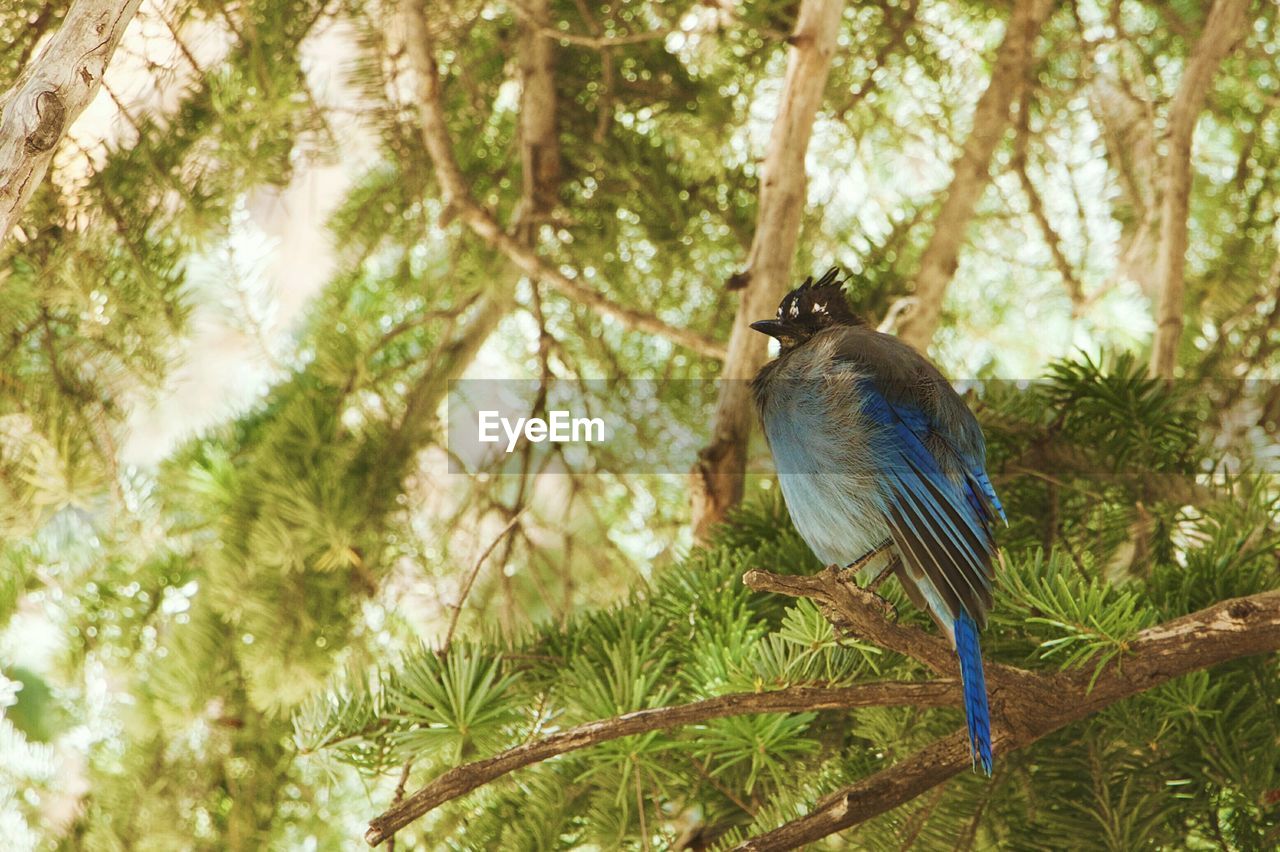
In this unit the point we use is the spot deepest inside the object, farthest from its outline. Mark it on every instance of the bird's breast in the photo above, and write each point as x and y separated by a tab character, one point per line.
829	478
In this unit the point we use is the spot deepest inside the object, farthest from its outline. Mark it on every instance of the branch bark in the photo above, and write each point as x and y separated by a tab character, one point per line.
1027	707
453	185
796	699
717	476
972	169
50	95
1223	30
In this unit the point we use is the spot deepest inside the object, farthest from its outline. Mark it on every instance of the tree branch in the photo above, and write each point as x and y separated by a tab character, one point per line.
972	169
50	95
716	481
459	203
796	699
1024	712
1223	29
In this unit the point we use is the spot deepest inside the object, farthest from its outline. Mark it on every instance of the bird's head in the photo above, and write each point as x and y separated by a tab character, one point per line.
808	309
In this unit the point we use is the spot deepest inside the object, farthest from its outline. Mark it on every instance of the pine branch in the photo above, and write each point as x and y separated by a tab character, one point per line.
1025	712
51	94
454	186
463	779
858	611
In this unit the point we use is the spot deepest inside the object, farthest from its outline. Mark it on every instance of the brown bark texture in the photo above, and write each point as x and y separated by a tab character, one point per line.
1025	706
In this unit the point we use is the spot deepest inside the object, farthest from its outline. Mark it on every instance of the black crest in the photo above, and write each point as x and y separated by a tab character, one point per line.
819	303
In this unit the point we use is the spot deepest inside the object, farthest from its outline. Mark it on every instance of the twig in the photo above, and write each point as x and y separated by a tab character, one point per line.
399	797
463	779
471	579
918	819
1075	290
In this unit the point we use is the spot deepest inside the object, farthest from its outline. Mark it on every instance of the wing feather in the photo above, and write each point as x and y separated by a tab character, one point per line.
942	528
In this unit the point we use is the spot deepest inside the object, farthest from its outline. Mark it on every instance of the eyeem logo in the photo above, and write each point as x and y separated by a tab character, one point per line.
559	428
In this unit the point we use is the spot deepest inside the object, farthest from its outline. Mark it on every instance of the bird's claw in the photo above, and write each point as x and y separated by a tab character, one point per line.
886	607
868	595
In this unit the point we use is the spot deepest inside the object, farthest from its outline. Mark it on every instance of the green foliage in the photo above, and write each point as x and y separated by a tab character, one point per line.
1087	619
234	649
457	705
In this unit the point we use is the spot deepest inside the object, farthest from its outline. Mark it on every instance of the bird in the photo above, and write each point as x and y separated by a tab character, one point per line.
883	469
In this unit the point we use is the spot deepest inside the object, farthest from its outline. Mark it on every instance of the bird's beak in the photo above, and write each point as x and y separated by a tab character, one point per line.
773	327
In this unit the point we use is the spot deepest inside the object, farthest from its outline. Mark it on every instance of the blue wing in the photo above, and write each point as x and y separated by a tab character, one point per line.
940	523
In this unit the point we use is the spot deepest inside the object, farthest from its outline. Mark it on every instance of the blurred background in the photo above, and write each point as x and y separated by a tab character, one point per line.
232	311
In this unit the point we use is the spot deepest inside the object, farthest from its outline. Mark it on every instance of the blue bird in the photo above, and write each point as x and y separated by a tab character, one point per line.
883	467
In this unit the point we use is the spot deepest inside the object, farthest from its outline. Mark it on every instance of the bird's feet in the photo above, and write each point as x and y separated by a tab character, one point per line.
867	596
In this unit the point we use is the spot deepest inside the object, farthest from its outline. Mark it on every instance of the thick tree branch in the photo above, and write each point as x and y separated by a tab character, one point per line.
1026	709
972	169
1223	29
717	476
796	699
50	95
453	185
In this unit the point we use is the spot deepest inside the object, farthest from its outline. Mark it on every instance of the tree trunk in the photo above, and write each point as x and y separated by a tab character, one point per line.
1223	29
972	169
50	95
717	476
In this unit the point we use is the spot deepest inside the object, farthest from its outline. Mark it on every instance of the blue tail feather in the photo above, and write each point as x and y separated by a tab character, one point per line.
975	691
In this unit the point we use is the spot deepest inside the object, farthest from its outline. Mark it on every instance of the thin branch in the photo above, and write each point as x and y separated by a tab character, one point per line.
471	579
1024	713
796	699
1036	203
459	203
399	796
